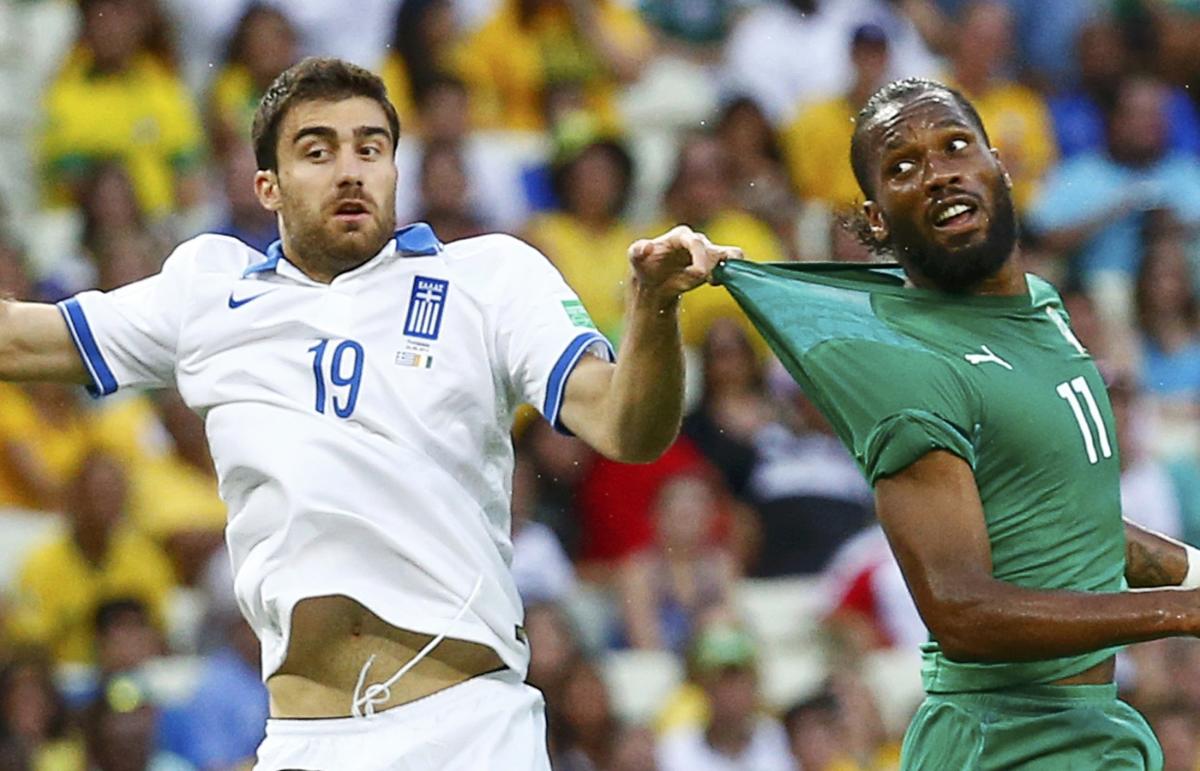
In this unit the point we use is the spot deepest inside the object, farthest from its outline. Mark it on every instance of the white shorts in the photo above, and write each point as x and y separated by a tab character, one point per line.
493	721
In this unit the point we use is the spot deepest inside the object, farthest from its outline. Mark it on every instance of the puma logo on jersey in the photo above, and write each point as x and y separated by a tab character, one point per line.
985	357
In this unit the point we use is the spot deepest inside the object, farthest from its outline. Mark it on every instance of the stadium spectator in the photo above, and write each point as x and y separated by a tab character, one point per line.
325	29
734	404
615	504
126	636
587	237
866	602
560	464
822	730
111	214
422	55
496	191
808	493
814	730
662	591
760	179
244	218
263	45
554	646
701	194
445	193
761	60
530	47
1104	61
696	28
636	750
35	725
1016	116
1092	206
63	581
736	734
1148	492
817	142
1176	723
584	732
115	99
221	724
14	270
1168	315
541	569
120	730
43	437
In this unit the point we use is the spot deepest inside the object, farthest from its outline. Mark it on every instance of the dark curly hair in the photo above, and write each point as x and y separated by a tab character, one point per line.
313	79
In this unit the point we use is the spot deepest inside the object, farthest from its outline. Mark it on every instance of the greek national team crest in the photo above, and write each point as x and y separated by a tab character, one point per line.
425	307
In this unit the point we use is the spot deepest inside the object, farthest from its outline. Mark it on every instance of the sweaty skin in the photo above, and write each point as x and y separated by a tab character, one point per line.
927	154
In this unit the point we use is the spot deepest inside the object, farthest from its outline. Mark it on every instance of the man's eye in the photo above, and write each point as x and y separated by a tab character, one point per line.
370	151
317	154
903	167
957	145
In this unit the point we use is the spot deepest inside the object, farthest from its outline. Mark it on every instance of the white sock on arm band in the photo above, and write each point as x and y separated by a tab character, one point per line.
1192	580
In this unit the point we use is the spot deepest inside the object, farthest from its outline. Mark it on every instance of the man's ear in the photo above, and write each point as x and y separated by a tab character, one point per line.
1003	169
266	187
877	222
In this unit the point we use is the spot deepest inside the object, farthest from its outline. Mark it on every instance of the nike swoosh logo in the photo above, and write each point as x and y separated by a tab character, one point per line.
239	303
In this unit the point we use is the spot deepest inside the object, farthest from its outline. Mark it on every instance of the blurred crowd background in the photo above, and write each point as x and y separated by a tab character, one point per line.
731	606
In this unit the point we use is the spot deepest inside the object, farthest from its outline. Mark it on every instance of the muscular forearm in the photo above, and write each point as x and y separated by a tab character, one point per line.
1153	560
998	621
645	399
36	345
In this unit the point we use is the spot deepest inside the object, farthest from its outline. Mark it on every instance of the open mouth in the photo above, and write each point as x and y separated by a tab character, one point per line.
351	210
955	214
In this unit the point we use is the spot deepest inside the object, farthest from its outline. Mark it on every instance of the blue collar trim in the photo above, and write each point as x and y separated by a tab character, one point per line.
415	240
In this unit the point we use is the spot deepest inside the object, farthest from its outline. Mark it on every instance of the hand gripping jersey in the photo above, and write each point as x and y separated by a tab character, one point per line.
360	429
999	381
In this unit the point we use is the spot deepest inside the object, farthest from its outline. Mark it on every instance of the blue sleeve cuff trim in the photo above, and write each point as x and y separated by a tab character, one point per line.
103	382
556	386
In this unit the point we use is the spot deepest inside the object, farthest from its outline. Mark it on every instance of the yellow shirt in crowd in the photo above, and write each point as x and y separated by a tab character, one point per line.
817	149
594	264
58	591
166	494
143	118
234	98
509	68
57	448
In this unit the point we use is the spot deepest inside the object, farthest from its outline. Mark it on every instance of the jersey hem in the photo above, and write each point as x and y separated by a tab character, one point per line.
103	381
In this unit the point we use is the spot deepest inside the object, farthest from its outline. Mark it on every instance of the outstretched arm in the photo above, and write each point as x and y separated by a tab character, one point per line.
1154	560
934	521
35	344
630	411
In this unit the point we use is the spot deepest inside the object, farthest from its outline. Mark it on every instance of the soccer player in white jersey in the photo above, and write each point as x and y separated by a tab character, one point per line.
357	385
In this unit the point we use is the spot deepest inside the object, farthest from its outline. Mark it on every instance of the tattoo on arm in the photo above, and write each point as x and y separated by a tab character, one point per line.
1146	566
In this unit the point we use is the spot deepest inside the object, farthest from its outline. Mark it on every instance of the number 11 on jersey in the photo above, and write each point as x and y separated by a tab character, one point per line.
337	375
1068	391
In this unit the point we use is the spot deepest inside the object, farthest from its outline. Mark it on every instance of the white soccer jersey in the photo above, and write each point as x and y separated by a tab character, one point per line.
360	429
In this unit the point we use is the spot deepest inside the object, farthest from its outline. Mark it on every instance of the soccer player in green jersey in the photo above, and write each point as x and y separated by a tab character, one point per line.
985	429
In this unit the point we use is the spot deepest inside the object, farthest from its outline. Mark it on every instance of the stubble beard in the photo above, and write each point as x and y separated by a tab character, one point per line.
321	242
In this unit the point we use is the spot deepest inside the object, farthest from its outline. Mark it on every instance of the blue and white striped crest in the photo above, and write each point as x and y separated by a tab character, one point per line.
425	307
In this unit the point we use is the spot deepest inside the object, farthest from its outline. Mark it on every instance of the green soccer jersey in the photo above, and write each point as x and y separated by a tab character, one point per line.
999	381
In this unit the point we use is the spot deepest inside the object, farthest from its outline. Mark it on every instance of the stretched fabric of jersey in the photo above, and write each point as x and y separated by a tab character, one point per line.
999	381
